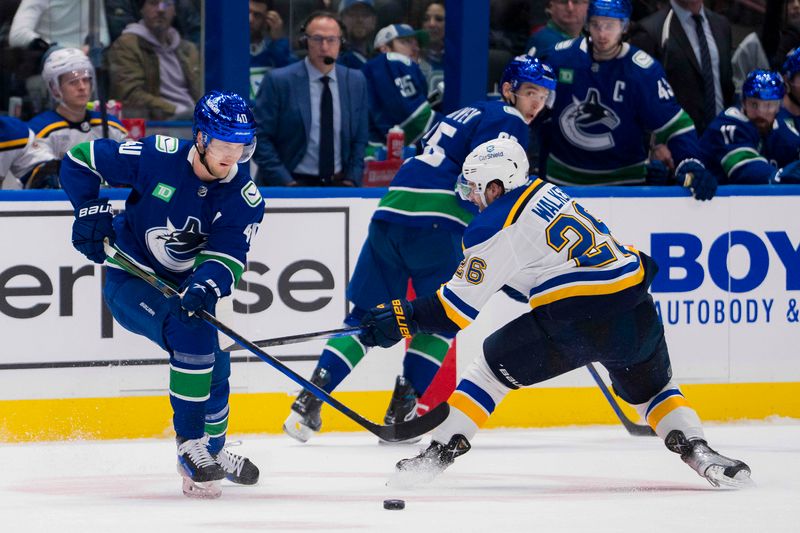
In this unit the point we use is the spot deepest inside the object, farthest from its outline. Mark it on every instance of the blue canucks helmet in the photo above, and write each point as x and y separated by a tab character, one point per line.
615	9
791	64
224	115
528	68
764	85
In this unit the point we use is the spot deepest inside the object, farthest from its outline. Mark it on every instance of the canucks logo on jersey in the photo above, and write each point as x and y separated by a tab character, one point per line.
580	117
176	248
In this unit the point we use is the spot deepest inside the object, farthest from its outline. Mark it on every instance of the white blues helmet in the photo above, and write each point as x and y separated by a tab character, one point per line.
65	61
499	159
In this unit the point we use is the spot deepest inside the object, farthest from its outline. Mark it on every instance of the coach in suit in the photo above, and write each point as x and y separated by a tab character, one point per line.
694	46
312	116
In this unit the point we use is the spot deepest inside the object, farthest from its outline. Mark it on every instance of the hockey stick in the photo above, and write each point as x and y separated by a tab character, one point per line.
291	339
394	433
632	427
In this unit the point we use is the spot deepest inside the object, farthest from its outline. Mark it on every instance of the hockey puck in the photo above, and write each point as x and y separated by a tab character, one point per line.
394	505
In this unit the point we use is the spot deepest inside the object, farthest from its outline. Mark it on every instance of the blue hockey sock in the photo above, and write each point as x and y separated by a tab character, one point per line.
339	358
424	358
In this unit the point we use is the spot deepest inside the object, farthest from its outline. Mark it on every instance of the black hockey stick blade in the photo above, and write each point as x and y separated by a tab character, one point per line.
303	337
394	433
637	430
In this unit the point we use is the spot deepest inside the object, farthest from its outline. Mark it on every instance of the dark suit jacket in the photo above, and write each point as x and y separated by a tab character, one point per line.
283	120
679	60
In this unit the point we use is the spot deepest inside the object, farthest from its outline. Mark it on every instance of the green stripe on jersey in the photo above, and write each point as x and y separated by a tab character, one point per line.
347	347
560	173
680	123
192	386
82	152
421	202
229	262
431	345
737	157
418	123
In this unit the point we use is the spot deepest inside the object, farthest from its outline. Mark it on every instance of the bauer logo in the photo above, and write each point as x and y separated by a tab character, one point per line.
163	192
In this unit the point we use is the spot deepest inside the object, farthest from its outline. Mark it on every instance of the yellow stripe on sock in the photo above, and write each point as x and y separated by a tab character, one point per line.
469	407
665	408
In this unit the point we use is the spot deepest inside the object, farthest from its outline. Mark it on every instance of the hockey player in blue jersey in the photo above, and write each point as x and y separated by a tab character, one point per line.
610	96
415	234
70	76
790	110
747	145
398	91
589	303
189	219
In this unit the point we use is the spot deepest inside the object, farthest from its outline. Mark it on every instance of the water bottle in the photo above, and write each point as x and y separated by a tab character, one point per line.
395	141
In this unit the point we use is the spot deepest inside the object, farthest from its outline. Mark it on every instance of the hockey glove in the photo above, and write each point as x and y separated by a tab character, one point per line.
790	174
93	224
693	175
657	173
198	296
44	176
388	324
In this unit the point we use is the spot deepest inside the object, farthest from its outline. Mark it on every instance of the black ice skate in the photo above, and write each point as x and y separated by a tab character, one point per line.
304	419
402	406
432	462
200	472
238	469
717	469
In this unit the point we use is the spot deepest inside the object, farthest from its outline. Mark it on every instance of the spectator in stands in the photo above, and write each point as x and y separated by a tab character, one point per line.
746	145
268	45
610	95
360	19
23	159
70	76
790	33
154	71
565	21
312	116
432	62
42	23
398	92
790	110
269	48
694	45
120	13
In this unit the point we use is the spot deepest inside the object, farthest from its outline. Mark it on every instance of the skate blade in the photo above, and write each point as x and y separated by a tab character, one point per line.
208	490
295	429
715	474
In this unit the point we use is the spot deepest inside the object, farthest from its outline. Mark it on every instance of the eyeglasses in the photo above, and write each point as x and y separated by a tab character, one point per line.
319	39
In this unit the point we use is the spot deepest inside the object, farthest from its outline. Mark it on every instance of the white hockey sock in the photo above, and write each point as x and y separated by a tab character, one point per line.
474	400
669	410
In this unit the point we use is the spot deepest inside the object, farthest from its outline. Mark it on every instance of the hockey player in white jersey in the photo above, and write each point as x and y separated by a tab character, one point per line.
70	76
590	303
22	157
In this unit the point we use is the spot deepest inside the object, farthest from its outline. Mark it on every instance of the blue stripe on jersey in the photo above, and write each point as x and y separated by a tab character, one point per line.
459	304
660	397
477	394
586	275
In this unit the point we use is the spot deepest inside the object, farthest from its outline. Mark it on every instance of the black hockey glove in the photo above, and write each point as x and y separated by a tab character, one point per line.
790	174
199	296
693	175
93	224
388	324
657	173
44	176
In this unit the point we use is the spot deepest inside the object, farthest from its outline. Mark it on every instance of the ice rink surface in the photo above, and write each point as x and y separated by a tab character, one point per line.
593	479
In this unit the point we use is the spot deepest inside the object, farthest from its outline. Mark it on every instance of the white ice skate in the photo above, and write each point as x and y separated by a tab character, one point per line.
200	472
719	470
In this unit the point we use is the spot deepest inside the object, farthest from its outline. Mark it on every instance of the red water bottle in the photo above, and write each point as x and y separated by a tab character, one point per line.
395	141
